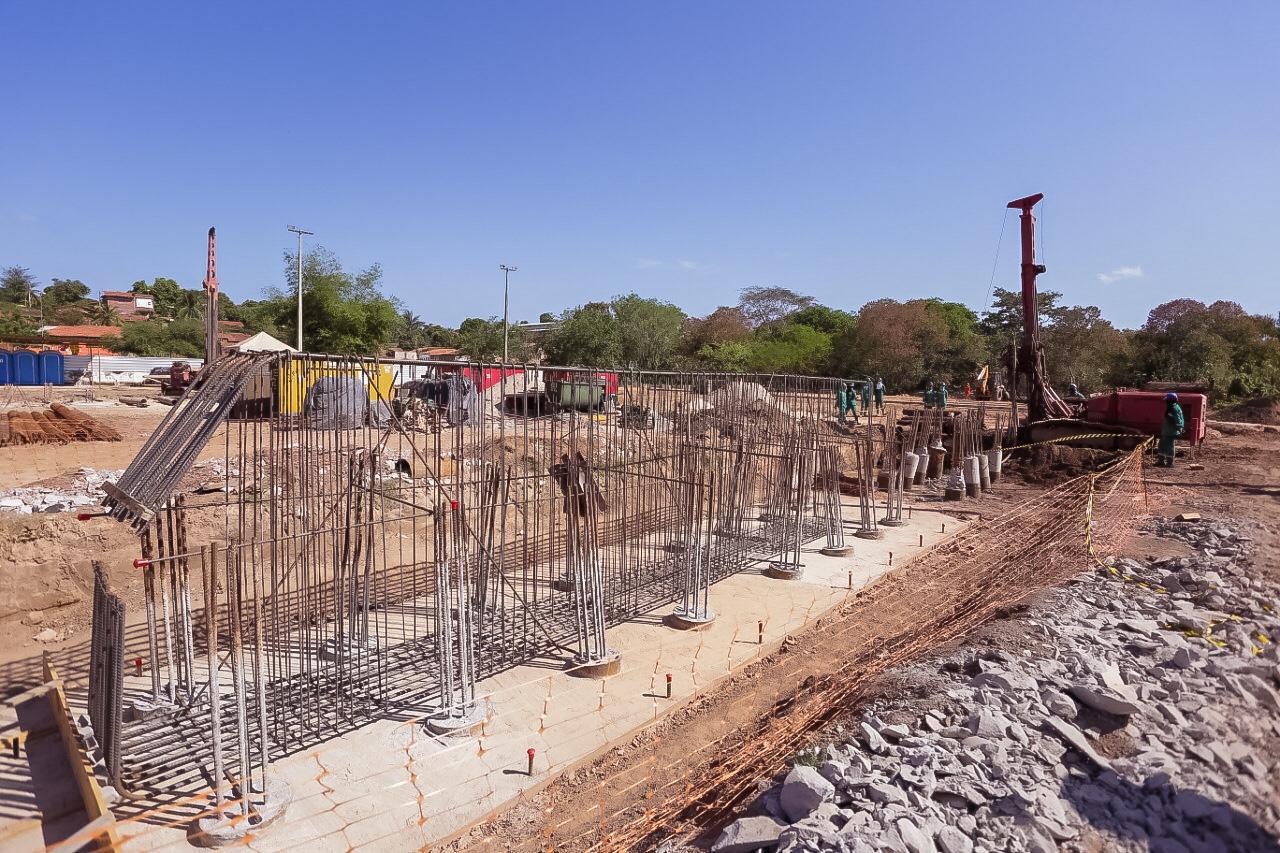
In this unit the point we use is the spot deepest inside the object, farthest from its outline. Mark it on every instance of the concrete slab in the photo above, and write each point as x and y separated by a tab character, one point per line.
391	785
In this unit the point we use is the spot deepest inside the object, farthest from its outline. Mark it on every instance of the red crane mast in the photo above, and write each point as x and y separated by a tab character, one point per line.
1042	401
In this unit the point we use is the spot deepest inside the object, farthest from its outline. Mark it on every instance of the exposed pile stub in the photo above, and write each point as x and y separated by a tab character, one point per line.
1143	714
58	425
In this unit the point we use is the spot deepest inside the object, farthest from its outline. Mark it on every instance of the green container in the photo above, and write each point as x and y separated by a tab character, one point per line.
583	394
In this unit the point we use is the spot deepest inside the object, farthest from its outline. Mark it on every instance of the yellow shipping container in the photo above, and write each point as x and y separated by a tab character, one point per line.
297	376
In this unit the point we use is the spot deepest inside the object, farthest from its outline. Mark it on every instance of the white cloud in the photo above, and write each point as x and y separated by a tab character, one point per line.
647	263
694	266
1119	274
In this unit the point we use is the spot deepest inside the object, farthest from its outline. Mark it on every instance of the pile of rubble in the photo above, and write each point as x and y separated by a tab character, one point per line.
85	490
1143	715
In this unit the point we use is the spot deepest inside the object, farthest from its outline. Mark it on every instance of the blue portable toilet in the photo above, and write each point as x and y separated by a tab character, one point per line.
4	367
26	370
52	367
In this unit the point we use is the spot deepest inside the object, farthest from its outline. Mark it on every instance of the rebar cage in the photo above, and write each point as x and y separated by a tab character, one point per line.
377	537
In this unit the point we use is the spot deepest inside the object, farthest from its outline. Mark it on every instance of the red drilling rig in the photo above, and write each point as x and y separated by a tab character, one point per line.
1112	421
1043	403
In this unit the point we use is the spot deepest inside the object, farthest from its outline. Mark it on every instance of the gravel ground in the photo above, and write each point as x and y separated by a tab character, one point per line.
1135	709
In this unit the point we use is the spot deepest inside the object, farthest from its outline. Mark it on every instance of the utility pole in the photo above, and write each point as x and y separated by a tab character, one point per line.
300	232
506	292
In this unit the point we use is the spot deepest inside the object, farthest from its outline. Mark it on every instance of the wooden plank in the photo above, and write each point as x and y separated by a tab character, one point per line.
95	804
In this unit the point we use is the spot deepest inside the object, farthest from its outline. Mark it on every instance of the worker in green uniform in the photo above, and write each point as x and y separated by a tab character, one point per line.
927	397
866	396
842	401
880	394
852	394
1074	395
1173	426
942	395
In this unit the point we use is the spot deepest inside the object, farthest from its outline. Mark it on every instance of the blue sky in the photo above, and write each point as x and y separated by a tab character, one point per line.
681	150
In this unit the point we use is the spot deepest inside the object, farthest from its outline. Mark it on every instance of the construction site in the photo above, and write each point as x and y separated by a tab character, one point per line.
332	602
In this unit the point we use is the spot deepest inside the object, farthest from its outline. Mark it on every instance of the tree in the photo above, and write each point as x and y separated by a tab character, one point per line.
410	332
17	285
481	340
723	325
648	331
832	321
726	356
183	338
1083	348
587	335
1220	344
765	305
343	312
191	305
1001	324
546	317
63	291
102	315
793	348
15	324
905	342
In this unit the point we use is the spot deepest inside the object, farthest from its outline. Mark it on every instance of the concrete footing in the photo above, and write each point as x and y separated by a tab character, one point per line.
892	522
604	667
838	551
351	648
782	573
687	621
231	827
459	720
950	494
868	533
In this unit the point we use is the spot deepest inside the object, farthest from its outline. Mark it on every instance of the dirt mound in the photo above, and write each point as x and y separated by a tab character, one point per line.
1052	463
1259	410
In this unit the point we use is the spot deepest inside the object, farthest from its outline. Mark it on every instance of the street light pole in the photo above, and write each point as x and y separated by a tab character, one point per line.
506	291
300	232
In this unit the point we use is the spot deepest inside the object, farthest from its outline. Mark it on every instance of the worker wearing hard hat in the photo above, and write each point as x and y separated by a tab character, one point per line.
1173	425
941	396
927	397
866	396
880	394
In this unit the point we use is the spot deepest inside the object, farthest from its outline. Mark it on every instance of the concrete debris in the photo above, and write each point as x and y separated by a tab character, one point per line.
1144	716
803	791
85	490
748	833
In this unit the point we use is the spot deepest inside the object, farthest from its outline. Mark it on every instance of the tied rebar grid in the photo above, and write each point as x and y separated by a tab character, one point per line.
385	535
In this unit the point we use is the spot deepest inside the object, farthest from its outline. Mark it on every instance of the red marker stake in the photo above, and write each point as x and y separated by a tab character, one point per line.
137	666
532	752
668	685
